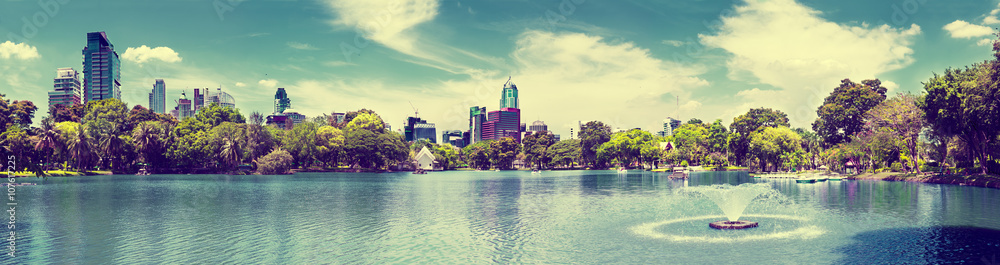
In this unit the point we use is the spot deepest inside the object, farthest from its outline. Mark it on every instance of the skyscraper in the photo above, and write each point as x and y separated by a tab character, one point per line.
158	98
68	91
101	68
538	126
477	117
199	99
508	98
503	123
183	109
281	101
669	125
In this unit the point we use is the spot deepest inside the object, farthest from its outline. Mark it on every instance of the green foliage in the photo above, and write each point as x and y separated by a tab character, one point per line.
684	163
214	114
16	141
329	145
695	121
61	113
535	148
300	142
768	146
477	155
228	143
718	137
277	162
626	147
363	120
446	156
843	111
746	124
692	142
966	103
112	111
901	117
564	152
502	153
592	135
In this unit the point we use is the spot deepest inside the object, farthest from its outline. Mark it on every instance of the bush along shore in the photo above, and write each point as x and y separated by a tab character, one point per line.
977	180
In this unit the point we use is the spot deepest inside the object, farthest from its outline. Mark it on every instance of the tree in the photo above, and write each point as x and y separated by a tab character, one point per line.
746	124
477	154
48	141
695	121
140	114
842	112
446	156
81	147
718	137
691	141
534	147
329	145
361	147
215	114
367	121
564	152
256	118
150	142
901	116
60	113
300	142
228	141
191	145
392	150
592	135
768	145
502	153
276	162
16	141
111	110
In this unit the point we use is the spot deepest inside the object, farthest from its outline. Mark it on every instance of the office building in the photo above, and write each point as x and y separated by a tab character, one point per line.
503	123
425	131
199	99
669	125
183	108
538	126
101	69
68	90
453	137
284	116
281	101
219	97
477	117
158	97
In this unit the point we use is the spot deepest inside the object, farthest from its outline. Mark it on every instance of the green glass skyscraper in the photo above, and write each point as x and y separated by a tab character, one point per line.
101	69
508	98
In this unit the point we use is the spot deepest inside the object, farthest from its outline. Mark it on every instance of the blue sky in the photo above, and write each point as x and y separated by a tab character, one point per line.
625	63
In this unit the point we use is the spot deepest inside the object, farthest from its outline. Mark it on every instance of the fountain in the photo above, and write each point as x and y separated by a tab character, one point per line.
733	200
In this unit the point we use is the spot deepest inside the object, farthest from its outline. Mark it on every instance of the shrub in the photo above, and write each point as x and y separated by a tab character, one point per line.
896	167
684	163
277	162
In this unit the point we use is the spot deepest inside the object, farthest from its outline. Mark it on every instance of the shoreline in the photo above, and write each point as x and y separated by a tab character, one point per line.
978	180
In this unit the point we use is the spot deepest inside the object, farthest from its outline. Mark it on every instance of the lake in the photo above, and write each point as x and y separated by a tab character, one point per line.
467	217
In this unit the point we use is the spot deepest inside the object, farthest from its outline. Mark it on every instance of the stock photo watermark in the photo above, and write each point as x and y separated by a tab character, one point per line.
12	207
30	27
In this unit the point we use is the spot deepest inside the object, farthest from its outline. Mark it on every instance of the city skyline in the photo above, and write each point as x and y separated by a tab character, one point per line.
621	63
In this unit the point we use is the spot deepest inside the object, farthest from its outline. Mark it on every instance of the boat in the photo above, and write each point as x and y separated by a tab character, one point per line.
821	179
622	170
142	172
805	180
535	172
836	179
497	170
419	171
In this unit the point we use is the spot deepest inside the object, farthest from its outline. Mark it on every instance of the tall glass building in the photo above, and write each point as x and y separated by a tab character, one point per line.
281	101
158	98
68	91
477	117
508	98
101	69
222	98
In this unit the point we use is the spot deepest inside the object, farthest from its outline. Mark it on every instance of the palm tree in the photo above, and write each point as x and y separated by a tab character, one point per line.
81	149
113	145
231	151
146	138
48	140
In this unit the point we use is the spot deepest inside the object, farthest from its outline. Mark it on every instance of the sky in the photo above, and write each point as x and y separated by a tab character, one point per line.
627	63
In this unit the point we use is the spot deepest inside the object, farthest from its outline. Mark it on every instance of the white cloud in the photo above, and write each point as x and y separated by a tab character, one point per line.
985	42
388	22
991	20
240	84
962	29
790	46
21	51
268	83
337	63
675	43
301	46
143	54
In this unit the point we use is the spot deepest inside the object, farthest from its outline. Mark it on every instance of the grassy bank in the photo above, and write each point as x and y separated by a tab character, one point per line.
979	180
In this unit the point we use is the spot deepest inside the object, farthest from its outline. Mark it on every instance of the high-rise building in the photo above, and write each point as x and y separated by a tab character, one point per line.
68	90
538	126
284	116
281	101
477	117
669	125
503	123
158	97
508	98
183	108
453	137
219	97
101	68
199	99
417	128
425	131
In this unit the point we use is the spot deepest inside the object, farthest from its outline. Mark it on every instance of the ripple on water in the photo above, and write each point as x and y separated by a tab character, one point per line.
651	230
